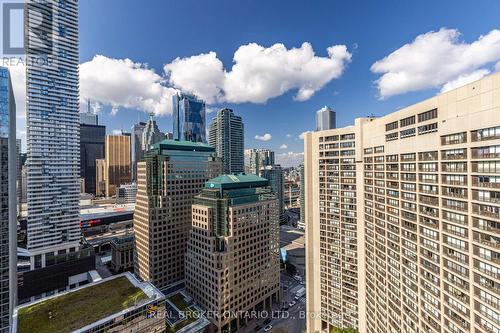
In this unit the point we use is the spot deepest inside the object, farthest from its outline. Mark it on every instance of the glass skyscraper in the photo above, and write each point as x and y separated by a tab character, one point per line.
53	128
189	118
226	136
8	200
274	173
325	119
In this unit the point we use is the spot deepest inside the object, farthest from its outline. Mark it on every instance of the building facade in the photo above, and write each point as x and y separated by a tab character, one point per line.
117	162
302	221
189	119
226	135
151	134
424	185
136	146
325	119
8	200
232	260
260	158
274	174
126	193
52	105
92	138
169	177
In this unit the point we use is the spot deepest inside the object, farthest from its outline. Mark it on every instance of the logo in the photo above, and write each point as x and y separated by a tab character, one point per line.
11	27
151	310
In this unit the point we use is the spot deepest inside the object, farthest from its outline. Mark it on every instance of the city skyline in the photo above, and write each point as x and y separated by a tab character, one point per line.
353	93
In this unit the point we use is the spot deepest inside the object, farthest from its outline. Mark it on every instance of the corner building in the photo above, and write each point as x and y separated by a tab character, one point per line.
428	217
169	176
232	260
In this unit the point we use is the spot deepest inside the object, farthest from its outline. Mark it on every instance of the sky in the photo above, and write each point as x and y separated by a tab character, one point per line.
275	63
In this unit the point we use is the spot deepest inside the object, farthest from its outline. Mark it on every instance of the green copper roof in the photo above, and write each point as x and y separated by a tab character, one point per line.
236	181
182	145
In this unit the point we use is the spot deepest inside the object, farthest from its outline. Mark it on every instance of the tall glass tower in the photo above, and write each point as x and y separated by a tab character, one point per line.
8	200
189	118
53	128
325	119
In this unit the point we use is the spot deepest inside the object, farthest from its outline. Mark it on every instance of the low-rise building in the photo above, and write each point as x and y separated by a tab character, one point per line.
122	253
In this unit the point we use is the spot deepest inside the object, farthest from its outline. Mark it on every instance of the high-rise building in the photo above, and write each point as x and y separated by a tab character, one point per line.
325	119
151	134
232	260
302	221
403	216
260	158
136	146
274	174
189	122
169	176
226	135
126	193
100	178
53	137
19	180
89	118
117	162
92	137
8	201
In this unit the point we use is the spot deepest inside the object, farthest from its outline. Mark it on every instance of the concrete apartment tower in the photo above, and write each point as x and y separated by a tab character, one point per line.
403	217
169	176
226	135
232	260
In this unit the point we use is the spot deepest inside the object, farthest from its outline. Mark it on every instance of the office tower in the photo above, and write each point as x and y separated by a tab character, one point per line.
117	160
126	193
92	137
169	176
274	174
89	118
151	134
325	119
226	135
8	201
189	118
424	189
100	177
53	128
302	221
260	158
136	146
19	181
232	260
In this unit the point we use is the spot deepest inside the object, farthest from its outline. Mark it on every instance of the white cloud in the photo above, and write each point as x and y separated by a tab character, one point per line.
265	137
288	136
258	73
289	159
434	59
465	79
117	132
302	135
124	83
283	146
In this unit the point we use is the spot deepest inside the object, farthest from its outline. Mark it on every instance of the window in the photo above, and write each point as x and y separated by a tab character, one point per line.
391	126
427	115
408	132
452	139
486	134
427	128
391	136
407	121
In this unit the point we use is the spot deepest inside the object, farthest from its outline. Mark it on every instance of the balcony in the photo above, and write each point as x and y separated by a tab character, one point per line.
487	211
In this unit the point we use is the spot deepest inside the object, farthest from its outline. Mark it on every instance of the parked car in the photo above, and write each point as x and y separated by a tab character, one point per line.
292	303
268	328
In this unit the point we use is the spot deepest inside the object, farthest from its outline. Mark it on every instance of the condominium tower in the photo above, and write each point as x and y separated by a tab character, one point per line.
260	158
403	216
169	176
226	135
189	122
325	119
52	104
8	201
232	260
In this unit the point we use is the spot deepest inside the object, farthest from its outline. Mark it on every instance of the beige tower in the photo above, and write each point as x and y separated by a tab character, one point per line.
427	191
169	176
117	156
232	260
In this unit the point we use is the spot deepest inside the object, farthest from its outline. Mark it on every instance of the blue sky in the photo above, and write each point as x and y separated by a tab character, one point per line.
157	32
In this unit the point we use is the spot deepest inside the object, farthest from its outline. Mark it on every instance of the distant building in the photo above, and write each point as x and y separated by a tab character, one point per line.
100	189
232	260
169	136
189	122
89	118
117	159
260	158
151	134
136	146
226	135
19	180
126	193
325	119
9	160
274	174
302	221
92	138
122	253
169	176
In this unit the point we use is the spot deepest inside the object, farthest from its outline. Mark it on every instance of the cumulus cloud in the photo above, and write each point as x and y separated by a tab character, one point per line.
123	83
283	146
465	79
258	73
434	59
265	137
289	159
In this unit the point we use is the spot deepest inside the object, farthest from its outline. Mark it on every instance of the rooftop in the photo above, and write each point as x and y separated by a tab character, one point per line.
73	310
182	145
236	181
